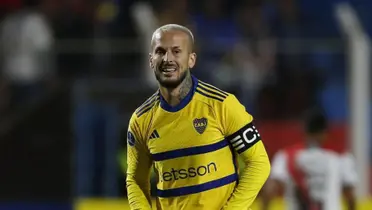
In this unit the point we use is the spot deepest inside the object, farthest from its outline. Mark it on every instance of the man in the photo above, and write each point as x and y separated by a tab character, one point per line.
191	132
312	177
26	51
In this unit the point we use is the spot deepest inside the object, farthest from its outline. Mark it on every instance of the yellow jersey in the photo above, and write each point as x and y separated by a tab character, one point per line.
193	148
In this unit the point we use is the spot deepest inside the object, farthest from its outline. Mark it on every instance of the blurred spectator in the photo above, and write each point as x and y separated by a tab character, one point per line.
123	34
96	121
286	25
144	16
254	53
75	33
216	35
26	45
295	76
106	13
96	133
173	12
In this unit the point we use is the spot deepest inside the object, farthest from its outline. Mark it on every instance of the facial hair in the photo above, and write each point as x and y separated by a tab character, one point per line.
173	83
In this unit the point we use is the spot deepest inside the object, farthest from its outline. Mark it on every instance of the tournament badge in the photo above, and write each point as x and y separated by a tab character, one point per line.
130	138
200	124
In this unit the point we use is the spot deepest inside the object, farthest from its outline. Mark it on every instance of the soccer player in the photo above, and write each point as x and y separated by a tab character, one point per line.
311	177
191	133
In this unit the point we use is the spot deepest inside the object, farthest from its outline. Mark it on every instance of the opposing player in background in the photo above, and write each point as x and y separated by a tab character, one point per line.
312	178
192	133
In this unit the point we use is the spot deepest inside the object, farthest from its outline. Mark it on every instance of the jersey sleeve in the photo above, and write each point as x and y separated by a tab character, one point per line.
237	125
238	128
279	167
139	168
348	171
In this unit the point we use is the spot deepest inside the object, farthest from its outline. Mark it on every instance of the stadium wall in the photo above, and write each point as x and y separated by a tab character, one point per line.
278	135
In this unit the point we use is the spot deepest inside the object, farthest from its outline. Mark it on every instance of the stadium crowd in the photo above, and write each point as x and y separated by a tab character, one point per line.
279	56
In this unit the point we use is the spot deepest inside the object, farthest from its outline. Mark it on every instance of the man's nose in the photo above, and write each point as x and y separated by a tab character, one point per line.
168	57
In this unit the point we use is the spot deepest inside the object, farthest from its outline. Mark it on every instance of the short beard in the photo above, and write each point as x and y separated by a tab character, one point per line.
171	84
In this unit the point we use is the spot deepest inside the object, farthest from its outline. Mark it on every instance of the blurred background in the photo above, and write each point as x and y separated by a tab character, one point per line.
73	71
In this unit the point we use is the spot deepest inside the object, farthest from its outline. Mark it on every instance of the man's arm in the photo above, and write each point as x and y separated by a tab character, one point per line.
349	195
349	179
271	190
252	178
245	139
138	171
276	182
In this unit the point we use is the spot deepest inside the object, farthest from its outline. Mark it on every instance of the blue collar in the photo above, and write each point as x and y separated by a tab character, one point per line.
184	102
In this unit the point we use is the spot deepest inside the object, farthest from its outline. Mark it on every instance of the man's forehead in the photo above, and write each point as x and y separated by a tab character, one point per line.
170	37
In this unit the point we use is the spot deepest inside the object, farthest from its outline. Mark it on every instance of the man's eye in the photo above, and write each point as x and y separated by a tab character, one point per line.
159	52
177	51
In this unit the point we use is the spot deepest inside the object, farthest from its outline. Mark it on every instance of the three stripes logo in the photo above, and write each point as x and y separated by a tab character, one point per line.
244	138
154	135
210	91
148	104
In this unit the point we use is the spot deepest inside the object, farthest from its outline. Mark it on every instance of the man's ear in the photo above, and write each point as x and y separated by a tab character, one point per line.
150	61
192	60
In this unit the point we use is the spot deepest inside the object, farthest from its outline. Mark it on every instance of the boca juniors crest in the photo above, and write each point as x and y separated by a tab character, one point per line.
200	124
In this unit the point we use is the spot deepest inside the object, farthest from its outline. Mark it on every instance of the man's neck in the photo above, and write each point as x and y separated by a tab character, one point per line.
175	95
313	143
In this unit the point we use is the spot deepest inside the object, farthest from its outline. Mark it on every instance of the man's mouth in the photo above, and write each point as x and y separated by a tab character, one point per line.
168	68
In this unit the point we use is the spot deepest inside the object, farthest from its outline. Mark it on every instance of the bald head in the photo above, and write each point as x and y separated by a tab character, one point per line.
172	55
173	28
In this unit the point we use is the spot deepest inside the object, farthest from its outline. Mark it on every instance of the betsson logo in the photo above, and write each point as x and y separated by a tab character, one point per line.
191	172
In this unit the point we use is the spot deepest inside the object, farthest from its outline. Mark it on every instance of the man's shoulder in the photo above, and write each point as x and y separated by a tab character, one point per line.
146	106
211	94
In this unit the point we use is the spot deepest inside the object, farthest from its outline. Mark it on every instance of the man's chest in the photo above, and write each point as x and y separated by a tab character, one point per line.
175	131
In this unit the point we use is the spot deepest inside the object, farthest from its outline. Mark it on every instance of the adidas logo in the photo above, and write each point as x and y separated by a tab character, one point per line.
154	135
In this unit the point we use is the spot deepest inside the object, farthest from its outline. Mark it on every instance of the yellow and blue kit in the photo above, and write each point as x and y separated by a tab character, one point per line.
193	148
